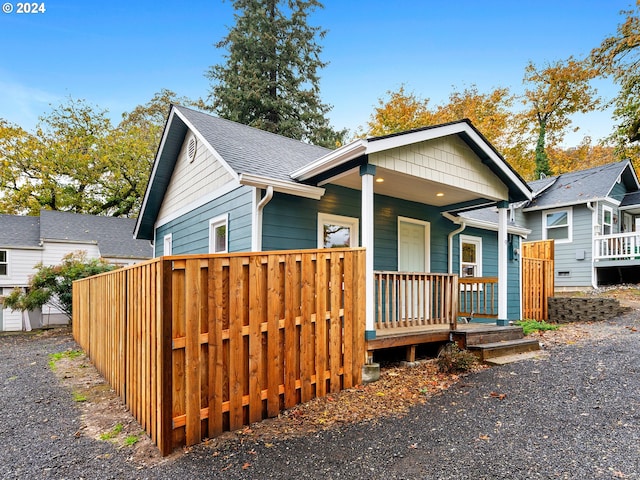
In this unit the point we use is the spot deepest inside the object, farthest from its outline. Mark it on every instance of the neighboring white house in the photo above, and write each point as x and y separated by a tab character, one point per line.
26	241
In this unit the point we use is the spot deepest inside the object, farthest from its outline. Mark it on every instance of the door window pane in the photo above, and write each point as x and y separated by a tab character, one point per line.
470	255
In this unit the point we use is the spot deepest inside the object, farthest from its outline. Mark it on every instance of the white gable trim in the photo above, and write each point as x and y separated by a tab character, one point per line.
369	146
339	156
213	151
154	169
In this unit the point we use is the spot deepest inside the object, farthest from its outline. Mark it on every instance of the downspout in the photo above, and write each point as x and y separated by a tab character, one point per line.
257	238
594	218
463	225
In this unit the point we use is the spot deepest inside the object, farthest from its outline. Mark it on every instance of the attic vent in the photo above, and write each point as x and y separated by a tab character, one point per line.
191	148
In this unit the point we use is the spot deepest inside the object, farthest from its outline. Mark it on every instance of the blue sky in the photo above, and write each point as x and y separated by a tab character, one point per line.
117	54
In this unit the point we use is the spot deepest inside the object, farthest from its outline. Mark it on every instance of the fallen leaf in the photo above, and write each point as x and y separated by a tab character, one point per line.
246	465
499	396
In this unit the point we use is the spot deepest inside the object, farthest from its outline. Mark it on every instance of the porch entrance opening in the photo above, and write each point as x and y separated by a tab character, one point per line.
414	256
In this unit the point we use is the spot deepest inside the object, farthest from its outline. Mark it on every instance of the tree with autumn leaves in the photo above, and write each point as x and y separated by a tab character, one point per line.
554	93
77	161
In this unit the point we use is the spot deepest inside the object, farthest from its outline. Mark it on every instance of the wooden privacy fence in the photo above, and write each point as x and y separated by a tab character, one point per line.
196	345
537	278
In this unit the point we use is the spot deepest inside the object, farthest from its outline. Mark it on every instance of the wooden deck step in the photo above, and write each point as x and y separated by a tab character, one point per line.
477	335
485	351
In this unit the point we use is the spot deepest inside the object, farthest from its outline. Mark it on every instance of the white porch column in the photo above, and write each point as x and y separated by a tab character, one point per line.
502	263
367	173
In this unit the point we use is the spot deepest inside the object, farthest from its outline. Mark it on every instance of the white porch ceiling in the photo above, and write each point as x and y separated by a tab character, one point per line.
407	187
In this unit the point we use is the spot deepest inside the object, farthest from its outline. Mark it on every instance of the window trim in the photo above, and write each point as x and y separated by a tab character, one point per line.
545	228
6	262
472	239
167	239
222	220
352	223
607	208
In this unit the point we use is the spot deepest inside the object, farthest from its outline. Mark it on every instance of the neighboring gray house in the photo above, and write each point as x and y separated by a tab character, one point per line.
26	241
219	186
593	216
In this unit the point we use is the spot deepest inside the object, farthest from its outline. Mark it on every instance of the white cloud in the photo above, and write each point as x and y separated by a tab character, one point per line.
23	105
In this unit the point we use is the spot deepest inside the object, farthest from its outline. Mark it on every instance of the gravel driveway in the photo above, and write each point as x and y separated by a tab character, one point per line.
573	415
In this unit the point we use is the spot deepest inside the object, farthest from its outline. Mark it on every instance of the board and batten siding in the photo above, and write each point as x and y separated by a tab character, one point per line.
190	232
447	160
569	271
192	180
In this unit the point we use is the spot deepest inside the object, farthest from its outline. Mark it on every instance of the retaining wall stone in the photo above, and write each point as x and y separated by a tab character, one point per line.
570	309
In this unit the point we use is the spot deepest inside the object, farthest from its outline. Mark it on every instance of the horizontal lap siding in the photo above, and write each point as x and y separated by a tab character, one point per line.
291	223
580	271
490	265
513	276
190	232
388	210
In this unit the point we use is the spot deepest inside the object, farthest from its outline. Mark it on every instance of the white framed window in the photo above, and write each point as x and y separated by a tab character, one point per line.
168	244
4	263
470	256
607	220
336	231
218	238
557	225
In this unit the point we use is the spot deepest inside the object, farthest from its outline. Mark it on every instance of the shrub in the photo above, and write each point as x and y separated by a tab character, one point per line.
530	326
452	359
53	284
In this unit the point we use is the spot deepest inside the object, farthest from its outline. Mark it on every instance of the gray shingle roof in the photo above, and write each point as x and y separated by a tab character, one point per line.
114	236
19	231
577	187
250	150
631	199
488	214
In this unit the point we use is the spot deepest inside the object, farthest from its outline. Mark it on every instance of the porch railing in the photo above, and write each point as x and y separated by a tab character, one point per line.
413	299
617	246
478	297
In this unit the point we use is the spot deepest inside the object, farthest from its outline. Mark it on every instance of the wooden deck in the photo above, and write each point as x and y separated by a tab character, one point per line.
411	337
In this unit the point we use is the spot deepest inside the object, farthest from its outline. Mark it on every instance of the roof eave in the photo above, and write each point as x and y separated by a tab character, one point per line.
564	204
333	159
282	186
486	225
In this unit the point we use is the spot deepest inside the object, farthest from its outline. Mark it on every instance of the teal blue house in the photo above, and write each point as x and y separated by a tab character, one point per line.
431	200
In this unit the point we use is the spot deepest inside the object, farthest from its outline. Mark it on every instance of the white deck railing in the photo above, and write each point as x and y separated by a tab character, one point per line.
617	246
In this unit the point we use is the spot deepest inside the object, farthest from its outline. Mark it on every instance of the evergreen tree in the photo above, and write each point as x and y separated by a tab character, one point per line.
270	78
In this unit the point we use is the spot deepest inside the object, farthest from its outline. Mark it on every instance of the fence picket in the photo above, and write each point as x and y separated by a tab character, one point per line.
223	339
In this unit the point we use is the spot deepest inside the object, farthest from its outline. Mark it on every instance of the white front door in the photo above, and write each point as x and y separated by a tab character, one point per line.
413	256
413	245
